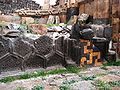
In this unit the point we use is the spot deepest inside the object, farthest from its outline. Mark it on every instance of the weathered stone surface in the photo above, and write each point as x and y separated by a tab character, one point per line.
109	78
93	71
116	88
83	85
71	81
113	68
28	84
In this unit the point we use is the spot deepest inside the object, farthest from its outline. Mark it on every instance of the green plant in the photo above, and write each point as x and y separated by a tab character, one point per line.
104	68
64	87
51	25
36	22
56	71
8	79
88	77
70	69
99	75
39	73
66	84
106	85
114	83
39	87
73	69
24	76
112	63
69	82
23	26
102	85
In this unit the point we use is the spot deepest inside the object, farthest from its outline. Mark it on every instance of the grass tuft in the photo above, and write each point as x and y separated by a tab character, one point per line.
70	69
73	69
88	78
8	79
115	84
106	85
64	87
38	87
112	64
102	85
103	67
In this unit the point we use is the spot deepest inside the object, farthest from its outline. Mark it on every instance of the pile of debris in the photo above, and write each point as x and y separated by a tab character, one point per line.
9	6
22	49
40	45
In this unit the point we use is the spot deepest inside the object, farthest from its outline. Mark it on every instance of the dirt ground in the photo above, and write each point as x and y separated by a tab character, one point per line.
95	78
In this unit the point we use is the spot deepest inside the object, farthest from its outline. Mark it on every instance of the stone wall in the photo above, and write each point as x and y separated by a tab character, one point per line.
9	6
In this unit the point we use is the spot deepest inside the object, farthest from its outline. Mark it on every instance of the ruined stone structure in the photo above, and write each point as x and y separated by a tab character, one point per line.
9	6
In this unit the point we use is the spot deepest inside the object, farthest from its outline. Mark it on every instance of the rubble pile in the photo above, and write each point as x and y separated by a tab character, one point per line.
9	6
21	49
53	43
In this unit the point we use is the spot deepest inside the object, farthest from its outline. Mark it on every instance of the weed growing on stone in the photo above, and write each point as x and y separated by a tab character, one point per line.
73	69
100	75
38	87
106	85
66	84
69	82
88	77
64	87
70	69
112	64
115	84
102	85
8	79
103	67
